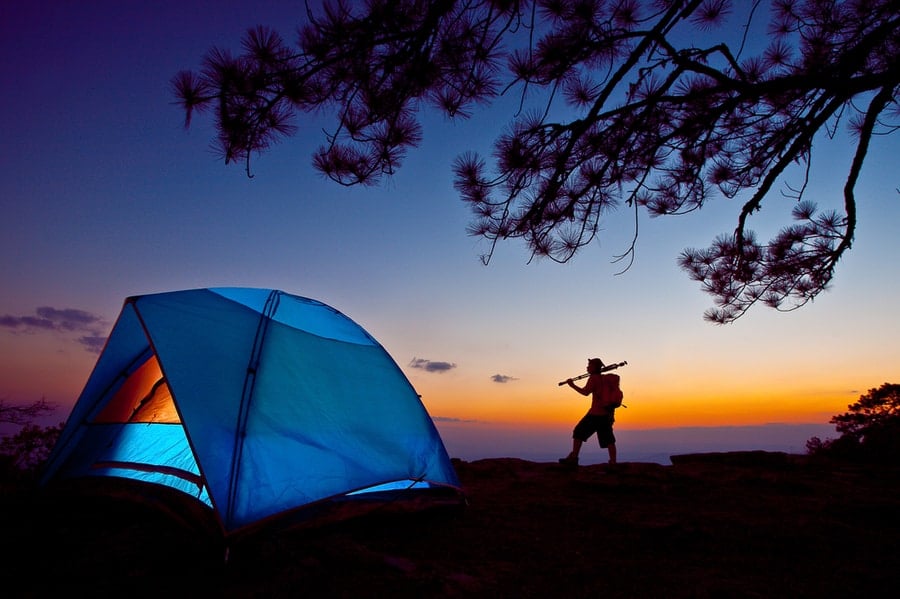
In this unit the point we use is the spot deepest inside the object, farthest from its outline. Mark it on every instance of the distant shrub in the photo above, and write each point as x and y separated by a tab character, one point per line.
25	452
843	448
22	454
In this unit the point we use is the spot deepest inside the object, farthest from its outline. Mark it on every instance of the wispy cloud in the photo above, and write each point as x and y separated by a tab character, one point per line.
431	365
66	320
503	378
451	419
93	343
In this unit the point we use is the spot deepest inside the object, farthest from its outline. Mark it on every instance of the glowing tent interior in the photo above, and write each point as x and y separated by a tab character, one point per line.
255	402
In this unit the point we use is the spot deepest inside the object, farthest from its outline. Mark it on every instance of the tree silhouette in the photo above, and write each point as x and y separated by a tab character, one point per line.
628	112
878	409
870	428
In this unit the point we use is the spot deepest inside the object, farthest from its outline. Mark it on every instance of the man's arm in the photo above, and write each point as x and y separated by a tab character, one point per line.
588	386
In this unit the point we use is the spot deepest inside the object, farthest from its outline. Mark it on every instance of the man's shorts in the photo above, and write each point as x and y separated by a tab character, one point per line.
593	423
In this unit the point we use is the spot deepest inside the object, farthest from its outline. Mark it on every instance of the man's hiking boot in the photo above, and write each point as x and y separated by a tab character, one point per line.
569	460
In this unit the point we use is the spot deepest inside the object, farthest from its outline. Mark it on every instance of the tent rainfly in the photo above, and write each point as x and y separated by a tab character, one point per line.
255	402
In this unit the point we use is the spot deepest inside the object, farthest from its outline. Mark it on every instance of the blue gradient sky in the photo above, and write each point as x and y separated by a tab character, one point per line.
104	195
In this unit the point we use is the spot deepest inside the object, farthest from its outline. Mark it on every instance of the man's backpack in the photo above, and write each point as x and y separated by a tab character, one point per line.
611	390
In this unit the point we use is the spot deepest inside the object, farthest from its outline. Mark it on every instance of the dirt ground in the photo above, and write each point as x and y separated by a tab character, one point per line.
747	524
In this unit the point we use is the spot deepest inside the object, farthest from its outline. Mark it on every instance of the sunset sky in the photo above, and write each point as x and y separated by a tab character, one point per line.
105	195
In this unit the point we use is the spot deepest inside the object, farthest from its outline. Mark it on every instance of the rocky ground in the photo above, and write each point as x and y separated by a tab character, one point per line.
747	524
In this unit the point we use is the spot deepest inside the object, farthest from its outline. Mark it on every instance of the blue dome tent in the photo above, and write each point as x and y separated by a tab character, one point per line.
255	402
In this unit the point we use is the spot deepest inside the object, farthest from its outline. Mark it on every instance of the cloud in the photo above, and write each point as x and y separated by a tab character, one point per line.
66	320
69	319
430	365
503	378
452	419
92	343
26	323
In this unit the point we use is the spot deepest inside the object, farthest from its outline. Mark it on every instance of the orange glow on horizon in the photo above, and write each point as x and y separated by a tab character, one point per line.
726	396
647	408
